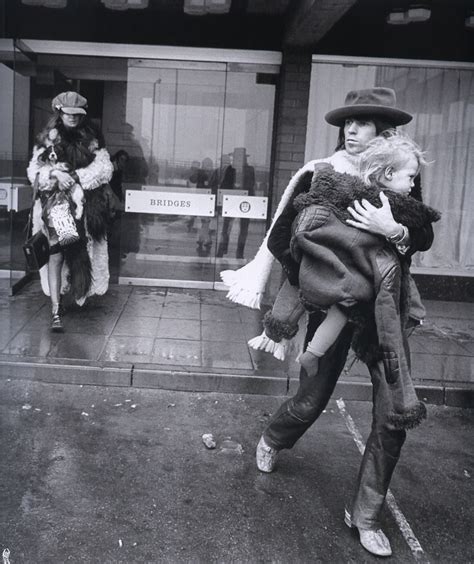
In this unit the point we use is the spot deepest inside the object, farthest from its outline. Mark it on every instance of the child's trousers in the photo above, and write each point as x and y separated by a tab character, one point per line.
282	322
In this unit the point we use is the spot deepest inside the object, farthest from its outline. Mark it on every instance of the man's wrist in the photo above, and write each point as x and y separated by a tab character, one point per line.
397	236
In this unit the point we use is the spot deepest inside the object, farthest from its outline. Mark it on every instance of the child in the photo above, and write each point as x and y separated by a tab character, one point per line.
338	264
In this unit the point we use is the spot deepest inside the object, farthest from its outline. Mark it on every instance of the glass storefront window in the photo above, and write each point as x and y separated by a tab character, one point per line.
176	116
15	193
204	132
441	99
189	137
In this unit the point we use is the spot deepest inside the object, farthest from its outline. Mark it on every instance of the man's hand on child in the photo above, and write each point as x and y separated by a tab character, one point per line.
376	220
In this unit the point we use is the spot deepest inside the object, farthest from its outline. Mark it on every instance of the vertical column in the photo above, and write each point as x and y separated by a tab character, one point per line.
292	117
290	133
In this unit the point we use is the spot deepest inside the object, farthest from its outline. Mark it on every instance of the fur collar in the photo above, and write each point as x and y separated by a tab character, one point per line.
339	190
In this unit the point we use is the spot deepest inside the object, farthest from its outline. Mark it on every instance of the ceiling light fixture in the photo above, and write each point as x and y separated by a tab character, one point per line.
125	4
46	3
418	14
469	22
203	7
413	14
218	6
397	17
195	7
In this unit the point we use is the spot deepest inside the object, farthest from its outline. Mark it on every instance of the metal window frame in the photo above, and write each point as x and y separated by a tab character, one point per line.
170	53
370	61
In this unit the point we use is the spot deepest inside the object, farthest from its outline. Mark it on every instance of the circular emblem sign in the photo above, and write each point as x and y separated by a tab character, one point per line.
244	207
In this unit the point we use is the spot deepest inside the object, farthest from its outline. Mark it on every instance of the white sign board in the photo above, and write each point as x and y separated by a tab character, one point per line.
223	192
252	207
14	195
170	203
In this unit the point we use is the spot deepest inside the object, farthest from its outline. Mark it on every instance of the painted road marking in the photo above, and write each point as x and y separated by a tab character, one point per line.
400	519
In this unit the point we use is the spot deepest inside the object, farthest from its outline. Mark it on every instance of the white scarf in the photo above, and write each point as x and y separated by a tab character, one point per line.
247	284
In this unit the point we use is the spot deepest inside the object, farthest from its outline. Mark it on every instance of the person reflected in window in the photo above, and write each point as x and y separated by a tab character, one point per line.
201	177
192	177
239	176
134	177
137	168
223	178
120	161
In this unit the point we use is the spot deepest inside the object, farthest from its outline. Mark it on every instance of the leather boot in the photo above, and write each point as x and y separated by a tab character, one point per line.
373	540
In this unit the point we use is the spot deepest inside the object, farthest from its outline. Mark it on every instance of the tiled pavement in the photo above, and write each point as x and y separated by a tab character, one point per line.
197	340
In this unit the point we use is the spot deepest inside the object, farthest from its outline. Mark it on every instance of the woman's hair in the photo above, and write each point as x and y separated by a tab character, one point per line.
391	149
380	126
85	128
77	145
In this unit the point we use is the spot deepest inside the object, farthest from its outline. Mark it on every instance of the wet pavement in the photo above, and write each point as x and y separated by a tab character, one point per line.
120	475
197	340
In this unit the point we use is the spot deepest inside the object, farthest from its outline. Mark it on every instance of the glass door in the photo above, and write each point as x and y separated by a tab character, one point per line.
175	113
197	182
17	66
191	144
245	175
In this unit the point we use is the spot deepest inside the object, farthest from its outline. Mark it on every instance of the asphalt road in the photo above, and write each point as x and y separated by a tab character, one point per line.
121	475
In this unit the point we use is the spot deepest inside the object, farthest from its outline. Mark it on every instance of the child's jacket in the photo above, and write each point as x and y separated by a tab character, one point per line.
340	263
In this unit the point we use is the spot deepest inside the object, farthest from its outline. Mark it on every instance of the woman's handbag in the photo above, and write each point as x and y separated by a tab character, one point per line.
36	250
36	247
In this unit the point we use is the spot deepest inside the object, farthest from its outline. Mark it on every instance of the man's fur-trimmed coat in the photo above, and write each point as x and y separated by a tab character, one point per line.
339	264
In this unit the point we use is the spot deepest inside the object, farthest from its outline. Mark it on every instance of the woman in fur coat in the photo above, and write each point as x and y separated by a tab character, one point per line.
69	170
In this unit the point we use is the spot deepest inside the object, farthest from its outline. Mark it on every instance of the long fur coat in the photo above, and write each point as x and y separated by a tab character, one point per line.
85	269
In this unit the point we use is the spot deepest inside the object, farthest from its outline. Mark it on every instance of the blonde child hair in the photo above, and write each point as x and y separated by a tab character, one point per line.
390	150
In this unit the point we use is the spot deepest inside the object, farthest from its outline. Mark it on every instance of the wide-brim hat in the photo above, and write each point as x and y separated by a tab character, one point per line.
239	151
70	103
371	102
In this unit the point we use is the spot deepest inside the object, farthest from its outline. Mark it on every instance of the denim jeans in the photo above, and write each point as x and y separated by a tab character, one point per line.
383	446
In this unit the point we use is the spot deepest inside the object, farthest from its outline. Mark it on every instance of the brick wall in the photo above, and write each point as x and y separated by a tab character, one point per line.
290	136
291	119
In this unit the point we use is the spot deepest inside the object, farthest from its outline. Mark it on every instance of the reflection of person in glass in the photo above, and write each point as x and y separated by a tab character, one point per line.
223	177
137	167
119	160
78	260
135	175
201	178
239	176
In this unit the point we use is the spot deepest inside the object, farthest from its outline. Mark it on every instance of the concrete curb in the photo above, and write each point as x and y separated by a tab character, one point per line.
146	376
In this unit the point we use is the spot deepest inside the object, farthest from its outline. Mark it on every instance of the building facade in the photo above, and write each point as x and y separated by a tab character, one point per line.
217	104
